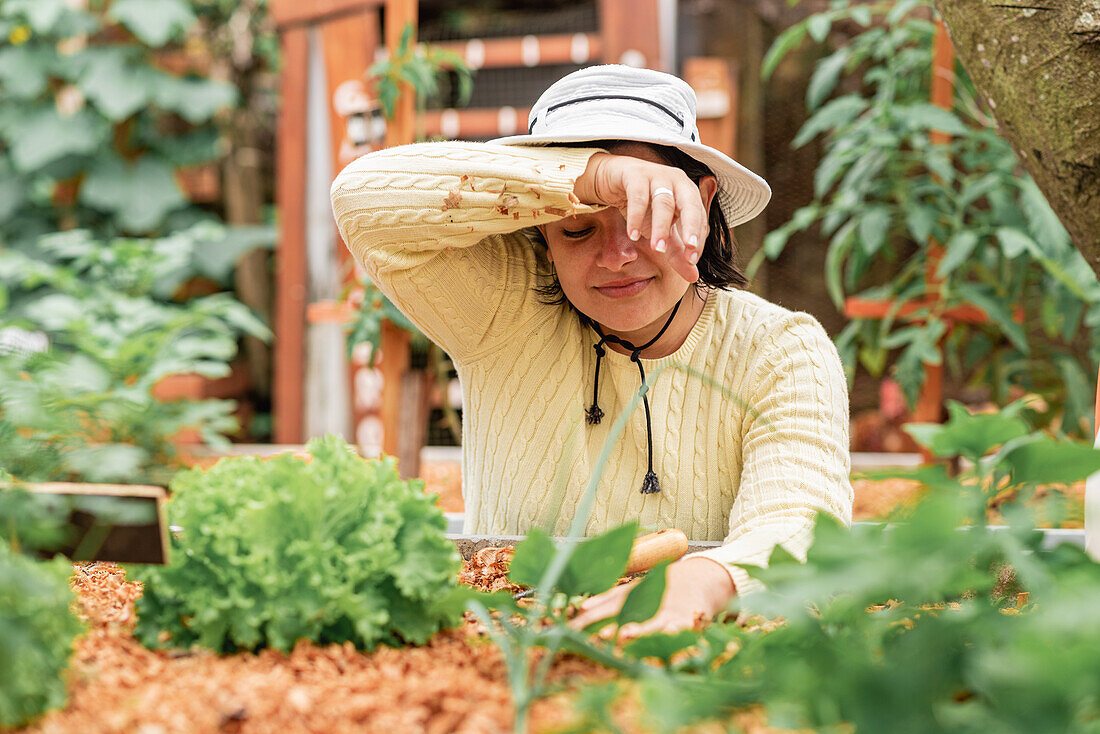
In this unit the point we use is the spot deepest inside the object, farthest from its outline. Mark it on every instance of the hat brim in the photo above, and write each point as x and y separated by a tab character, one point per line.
741	193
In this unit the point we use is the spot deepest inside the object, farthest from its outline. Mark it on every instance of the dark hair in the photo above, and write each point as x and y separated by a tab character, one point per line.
717	266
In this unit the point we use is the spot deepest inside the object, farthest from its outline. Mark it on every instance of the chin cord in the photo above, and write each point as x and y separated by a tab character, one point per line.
593	415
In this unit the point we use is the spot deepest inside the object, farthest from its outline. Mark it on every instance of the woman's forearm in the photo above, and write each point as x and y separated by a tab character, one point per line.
436	195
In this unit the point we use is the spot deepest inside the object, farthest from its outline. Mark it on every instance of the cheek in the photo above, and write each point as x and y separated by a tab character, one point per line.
570	277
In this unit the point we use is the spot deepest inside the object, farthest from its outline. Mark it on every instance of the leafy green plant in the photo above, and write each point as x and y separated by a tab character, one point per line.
82	405
26	525
375	308
935	621
99	124
418	66
366	328
884	192
332	549
918	625
37	629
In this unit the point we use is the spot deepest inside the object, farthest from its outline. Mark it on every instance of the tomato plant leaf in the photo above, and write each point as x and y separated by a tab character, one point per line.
644	599
967	434
531	558
598	562
1045	459
661	645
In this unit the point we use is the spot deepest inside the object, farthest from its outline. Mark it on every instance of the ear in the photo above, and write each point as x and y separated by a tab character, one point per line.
708	187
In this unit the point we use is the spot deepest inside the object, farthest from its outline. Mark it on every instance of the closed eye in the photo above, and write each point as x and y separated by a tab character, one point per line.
576	234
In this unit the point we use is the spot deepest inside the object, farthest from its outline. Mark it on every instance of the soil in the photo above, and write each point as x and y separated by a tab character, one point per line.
455	683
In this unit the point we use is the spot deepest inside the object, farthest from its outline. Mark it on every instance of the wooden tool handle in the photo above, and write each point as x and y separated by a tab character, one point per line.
649	550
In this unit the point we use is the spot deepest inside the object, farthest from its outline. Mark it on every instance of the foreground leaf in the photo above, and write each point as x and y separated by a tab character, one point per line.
644	599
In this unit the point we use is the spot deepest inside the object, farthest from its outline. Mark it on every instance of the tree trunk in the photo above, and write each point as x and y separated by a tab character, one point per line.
1036	63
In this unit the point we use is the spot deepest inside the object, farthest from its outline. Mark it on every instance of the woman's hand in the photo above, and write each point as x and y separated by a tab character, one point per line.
675	223
694	587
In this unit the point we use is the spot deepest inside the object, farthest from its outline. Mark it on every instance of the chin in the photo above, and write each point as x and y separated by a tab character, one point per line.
622	320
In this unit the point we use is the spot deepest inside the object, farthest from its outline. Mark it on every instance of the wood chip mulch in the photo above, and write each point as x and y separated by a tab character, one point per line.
875	500
455	683
487	570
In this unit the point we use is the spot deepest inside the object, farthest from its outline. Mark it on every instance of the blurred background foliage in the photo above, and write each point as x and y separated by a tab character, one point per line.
121	228
886	198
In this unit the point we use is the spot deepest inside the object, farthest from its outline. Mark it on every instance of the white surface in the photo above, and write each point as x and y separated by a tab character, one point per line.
868	461
1092	512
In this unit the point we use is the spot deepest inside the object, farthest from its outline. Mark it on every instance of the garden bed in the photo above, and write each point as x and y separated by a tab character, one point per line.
455	683
874	500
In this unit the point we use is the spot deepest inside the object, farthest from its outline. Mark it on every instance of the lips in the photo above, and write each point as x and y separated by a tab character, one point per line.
624	288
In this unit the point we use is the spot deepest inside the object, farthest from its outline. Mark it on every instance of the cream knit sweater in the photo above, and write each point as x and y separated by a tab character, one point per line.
438	227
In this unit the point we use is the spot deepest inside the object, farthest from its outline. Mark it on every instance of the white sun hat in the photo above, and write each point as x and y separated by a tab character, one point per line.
614	102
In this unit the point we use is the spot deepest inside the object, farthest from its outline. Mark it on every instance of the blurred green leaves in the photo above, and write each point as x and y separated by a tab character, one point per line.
153	22
593	567
41	136
85	408
70	108
139	195
36	635
886	197
914	625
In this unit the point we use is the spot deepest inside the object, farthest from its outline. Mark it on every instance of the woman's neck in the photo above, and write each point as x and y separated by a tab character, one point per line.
691	307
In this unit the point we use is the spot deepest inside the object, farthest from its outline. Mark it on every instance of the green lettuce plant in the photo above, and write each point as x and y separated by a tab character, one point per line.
37	630
269	552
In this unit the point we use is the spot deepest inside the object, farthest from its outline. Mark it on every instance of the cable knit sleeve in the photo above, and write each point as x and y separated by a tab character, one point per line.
435	227
795	454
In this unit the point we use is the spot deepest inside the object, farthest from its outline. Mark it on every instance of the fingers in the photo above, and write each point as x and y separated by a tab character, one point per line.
678	225
667	623
662	205
637	207
681	257
692	218
600	607
658	201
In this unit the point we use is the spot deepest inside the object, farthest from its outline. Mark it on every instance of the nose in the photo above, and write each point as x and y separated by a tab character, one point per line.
617	250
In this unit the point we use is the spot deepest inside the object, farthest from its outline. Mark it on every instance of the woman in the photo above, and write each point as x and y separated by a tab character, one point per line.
563	269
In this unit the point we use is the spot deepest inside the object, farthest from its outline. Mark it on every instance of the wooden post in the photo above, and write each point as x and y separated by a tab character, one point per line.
929	408
394	364
399	14
348	45
346	29
630	33
715	83
290	258
395	342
